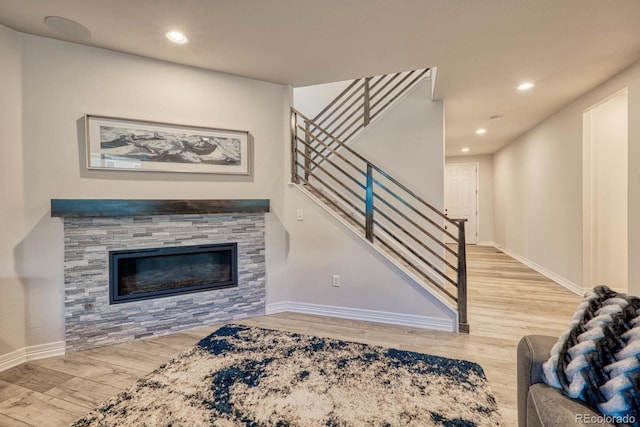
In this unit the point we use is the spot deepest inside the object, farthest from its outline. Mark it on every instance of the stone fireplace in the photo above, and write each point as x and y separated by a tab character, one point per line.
101	246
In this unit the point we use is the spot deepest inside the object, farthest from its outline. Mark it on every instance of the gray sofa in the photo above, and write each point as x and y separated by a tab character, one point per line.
538	404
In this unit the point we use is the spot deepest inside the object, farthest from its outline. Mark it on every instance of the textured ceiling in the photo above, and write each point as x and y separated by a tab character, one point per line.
482	49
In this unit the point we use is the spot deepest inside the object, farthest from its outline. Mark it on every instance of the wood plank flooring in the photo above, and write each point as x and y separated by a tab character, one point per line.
506	301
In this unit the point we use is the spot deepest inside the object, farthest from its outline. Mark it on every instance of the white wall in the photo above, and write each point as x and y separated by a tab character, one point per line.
320	246
12	316
64	81
310	100
408	143
485	193
538	196
538	186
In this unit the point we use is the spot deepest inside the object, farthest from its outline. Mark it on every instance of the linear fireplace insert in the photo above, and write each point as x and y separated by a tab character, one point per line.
159	272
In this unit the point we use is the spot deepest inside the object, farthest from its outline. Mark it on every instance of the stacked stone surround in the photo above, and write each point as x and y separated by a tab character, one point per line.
90	321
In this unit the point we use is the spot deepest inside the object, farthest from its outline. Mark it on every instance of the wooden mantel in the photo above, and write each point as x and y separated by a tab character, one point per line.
80	208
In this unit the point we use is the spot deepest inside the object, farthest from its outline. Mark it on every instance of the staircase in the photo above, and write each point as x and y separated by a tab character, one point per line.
393	218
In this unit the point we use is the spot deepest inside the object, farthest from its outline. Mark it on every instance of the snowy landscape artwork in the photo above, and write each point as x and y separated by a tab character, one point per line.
136	145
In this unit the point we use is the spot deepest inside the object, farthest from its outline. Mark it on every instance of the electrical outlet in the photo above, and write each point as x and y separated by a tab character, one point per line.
335	281
299	215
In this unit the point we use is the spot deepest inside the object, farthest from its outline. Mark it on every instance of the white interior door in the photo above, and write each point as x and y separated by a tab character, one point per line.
461	197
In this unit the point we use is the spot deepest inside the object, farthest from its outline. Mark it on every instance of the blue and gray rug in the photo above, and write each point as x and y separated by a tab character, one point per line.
247	376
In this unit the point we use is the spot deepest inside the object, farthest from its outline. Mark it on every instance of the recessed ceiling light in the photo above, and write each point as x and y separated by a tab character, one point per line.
67	27
177	37
465	150
525	86
481	131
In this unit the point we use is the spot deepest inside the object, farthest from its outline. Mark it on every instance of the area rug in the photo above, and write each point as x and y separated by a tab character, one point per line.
248	376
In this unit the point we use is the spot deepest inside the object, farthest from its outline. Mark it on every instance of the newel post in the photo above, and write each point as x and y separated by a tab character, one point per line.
463	322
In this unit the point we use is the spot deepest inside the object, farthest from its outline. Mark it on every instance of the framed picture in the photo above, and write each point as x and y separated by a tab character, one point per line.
135	145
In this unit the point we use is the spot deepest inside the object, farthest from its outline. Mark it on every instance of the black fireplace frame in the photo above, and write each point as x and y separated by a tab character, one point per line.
115	255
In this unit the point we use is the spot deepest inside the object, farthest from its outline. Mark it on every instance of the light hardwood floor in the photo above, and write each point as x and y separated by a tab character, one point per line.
506	301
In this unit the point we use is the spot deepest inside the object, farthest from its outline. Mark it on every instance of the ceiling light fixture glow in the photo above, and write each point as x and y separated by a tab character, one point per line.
525	86
177	37
465	150
481	131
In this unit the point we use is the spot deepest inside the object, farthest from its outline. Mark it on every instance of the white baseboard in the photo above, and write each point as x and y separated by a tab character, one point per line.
35	352
400	319
566	283
12	359
486	243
